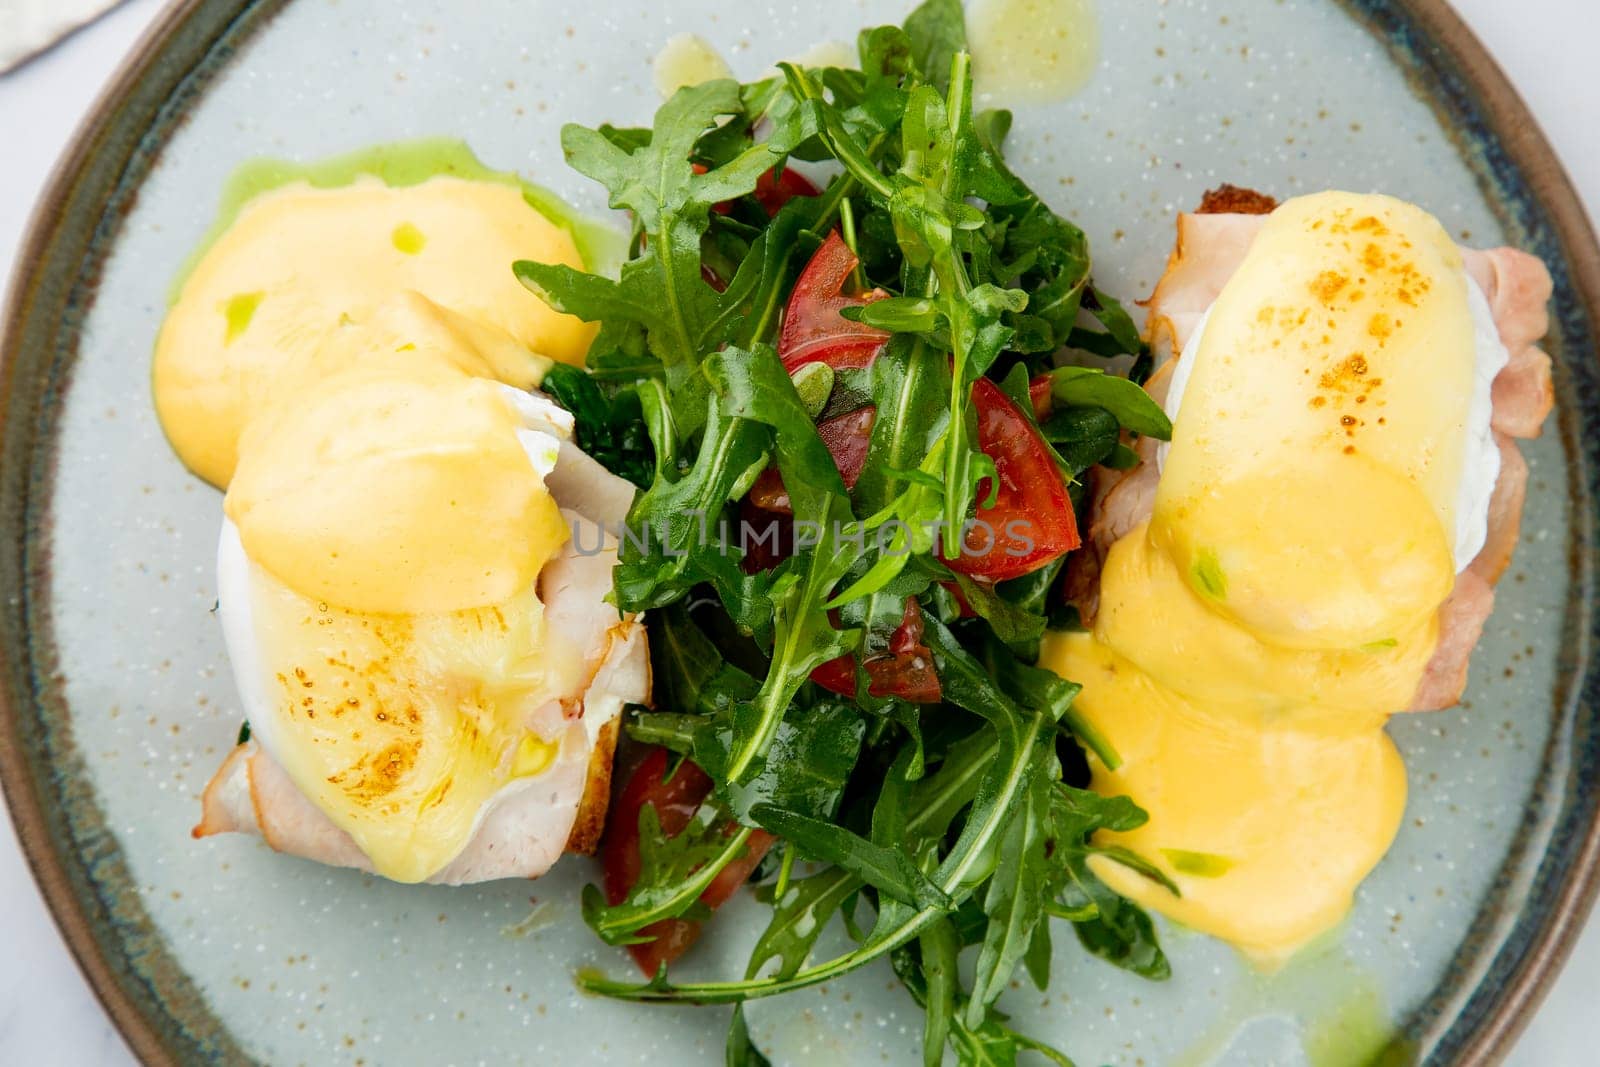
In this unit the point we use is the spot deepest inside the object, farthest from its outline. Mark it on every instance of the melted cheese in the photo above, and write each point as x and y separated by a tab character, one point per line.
1281	602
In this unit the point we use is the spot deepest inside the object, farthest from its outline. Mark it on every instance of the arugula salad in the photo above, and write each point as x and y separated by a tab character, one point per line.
832	363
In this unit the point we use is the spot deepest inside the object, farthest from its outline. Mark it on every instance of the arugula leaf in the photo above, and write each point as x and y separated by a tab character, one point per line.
1037	958
610	428
803	638
690	673
923	971
1115	318
661	289
1010	622
938	947
751	303
1081	436
884	868
1109	926
673	872
798	918
1014	902
668	526
1131	405
671	730
741	1051
936	31
753	385
807	766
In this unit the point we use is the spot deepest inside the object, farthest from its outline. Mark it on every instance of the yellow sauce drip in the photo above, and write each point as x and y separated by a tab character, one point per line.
687	59
1033	50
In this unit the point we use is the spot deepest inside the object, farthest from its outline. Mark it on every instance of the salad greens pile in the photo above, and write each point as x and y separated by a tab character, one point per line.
930	822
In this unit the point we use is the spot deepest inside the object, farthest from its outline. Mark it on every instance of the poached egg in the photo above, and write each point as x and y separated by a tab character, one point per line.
1329	474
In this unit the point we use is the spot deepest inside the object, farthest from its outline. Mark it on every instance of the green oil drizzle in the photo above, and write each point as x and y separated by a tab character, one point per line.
1207	573
542	916
1356	1032
238	312
1336	1005
1033	50
400	164
1199	864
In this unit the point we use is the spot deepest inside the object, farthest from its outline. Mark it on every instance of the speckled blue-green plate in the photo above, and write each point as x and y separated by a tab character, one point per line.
118	702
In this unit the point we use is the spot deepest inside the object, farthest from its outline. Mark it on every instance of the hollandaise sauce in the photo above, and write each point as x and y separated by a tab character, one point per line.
307	260
1282	600
349	358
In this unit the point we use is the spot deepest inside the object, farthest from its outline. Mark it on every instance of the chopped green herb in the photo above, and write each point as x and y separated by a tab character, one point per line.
407	239
1199	864
1208	576
238	312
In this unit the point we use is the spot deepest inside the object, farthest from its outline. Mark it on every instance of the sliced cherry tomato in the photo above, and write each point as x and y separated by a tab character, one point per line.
768	534
847	437
773	190
676	799
813	330
904	671
1039	387
1031	522
768	493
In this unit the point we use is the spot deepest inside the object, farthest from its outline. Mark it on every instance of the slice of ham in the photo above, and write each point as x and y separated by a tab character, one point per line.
1210	246
526	827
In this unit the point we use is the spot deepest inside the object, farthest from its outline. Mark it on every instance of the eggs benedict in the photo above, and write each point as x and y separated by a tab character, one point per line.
415	559
1313	551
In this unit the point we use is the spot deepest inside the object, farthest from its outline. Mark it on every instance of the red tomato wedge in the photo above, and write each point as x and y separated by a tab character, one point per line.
1039	393
1032	521
904	671
813	330
773	190
676	799
847	437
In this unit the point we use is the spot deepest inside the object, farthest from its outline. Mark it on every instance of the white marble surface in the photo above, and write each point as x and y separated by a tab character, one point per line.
47	1013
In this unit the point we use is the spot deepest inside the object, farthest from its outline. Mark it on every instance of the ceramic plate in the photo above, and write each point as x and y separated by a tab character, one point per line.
118	701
